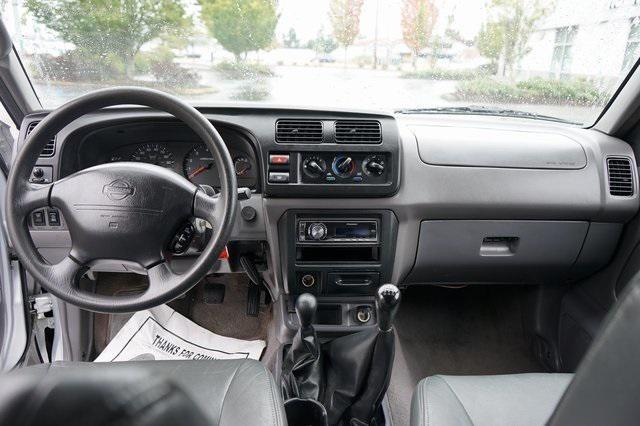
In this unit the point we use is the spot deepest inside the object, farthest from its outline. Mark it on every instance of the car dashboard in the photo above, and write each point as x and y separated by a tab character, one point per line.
342	201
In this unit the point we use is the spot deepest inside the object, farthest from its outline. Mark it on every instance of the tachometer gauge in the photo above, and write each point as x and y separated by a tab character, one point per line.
199	166
154	153
242	165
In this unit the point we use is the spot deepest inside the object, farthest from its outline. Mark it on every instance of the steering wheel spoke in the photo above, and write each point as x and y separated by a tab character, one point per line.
67	270
161	280
34	196
207	207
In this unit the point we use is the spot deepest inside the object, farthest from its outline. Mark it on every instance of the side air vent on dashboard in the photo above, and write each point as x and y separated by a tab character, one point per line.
358	131
620	176
299	131
50	148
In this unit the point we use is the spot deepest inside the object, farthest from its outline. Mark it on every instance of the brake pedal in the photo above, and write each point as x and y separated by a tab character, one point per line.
214	293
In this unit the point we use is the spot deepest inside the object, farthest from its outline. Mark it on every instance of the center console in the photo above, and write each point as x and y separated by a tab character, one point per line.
341	257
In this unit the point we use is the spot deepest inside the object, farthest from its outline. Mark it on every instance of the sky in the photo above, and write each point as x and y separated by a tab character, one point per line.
307	17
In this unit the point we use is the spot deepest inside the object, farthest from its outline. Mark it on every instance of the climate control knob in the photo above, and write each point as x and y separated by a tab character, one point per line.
314	167
373	165
317	231
344	166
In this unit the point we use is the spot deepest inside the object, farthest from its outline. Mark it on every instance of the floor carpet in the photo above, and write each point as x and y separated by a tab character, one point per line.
227	319
466	331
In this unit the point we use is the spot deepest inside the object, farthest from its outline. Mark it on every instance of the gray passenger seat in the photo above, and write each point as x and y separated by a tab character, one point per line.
604	390
513	399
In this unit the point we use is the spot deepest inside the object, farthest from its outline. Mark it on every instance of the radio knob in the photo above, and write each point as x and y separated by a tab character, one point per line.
317	231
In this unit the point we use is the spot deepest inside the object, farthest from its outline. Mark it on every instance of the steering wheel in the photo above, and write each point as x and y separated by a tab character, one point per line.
125	211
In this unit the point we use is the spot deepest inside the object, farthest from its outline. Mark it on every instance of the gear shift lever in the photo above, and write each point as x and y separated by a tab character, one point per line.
388	302
302	365
306	307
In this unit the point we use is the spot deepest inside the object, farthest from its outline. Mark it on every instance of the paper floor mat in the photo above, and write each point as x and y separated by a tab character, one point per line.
161	333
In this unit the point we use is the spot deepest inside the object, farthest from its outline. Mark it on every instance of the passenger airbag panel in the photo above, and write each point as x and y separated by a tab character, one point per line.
479	147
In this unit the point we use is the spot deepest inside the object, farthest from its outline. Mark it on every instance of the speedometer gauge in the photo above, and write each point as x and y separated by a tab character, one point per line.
199	166
154	153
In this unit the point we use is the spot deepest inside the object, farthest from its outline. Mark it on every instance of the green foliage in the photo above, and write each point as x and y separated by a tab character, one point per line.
251	92
490	40
442	74
504	37
580	90
290	39
418	19
170	74
322	44
76	66
243	70
535	90
345	20
103	28
241	26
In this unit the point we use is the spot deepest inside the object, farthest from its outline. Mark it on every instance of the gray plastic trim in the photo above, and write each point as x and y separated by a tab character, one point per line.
13	337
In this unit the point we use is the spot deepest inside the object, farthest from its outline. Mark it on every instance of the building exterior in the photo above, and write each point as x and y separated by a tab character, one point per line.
605	34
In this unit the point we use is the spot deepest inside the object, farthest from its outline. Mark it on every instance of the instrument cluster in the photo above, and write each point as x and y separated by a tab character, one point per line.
192	160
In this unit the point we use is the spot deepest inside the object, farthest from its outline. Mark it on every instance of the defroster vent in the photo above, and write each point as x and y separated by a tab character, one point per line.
620	176
299	131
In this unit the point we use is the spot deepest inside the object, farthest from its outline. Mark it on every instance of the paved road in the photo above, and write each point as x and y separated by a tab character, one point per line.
331	86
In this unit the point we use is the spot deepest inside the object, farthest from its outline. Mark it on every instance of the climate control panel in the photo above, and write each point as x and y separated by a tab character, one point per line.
344	168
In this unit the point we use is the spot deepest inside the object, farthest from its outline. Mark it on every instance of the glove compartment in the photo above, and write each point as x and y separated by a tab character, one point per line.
485	251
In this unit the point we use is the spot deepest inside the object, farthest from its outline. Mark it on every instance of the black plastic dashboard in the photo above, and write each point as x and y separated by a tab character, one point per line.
166	144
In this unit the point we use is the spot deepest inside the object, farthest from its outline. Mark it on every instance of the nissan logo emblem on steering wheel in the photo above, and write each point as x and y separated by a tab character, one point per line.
118	190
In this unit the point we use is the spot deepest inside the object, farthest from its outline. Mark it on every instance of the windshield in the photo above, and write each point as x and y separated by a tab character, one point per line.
560	59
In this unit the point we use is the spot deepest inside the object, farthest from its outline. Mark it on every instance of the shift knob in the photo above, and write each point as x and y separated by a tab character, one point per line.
306	306
388	298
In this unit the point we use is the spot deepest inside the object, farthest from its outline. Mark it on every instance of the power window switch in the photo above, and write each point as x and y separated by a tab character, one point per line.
278	177
38	218
54	217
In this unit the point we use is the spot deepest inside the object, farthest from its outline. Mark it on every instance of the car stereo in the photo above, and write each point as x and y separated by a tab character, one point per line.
327	231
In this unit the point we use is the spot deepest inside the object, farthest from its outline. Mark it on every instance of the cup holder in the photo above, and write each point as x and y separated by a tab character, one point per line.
305	412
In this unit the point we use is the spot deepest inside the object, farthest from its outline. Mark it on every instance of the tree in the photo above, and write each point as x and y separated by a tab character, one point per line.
241	26
418	19
290	39
504	38
322	44
104	28
345	20
490	41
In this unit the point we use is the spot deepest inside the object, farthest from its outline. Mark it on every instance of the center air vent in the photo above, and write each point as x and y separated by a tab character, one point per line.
50	148
620	176
358	131
299	131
